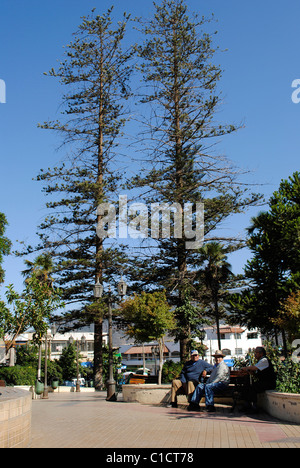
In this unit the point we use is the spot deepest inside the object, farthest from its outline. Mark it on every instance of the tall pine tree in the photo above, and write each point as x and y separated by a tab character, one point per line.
181	95
95	72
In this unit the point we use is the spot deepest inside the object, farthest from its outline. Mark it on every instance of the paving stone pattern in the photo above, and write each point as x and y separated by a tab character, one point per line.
87	420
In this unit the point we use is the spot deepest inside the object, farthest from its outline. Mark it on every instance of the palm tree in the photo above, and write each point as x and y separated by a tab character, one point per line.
214	275
42	267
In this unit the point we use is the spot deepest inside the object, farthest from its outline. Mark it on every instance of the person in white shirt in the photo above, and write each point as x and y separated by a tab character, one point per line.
217	382
265	379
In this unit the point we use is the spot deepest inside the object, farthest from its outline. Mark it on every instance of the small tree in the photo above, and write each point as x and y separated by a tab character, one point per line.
5	244
289	316
67	362
33	308
148	318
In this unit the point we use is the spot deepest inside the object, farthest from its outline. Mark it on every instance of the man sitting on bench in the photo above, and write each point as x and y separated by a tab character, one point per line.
265	380
217	382
189	377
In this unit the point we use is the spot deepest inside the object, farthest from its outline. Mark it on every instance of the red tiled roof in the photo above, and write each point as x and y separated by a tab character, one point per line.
231	330
139	350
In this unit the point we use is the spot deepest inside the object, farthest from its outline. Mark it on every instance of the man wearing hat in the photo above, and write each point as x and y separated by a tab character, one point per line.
218	381
189	377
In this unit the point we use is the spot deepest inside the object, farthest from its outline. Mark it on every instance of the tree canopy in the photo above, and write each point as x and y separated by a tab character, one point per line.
273	271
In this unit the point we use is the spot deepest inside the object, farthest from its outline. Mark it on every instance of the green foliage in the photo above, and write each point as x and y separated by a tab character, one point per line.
288	371
289	316
27	355
67	362
5	244
243	362
33	308
176	60
94	72
171	370
189	322
18	375
54	370
214	277
148	316
288	379
273	272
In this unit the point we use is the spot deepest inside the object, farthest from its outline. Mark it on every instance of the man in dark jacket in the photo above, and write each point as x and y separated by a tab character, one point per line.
189	377
265	379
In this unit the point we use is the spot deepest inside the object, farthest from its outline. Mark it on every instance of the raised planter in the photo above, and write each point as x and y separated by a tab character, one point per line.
284	406
15	418
146	393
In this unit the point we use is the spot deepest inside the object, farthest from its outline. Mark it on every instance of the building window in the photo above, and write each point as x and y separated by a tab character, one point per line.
252	336
238	351
227	352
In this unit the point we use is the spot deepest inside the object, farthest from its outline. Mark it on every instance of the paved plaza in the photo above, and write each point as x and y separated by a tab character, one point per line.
87	420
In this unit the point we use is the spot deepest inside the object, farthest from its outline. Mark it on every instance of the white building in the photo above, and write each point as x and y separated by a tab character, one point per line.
235	341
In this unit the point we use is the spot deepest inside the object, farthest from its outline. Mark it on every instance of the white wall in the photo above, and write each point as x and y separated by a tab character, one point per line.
238	344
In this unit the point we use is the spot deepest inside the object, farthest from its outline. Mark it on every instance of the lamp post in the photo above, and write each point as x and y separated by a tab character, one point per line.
155	351
98	291
111	384
45	392
201	336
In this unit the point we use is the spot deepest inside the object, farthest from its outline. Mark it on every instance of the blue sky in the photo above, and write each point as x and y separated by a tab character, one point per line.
260	65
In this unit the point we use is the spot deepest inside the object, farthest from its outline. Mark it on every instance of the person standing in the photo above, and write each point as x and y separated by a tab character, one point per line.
189	377
217	382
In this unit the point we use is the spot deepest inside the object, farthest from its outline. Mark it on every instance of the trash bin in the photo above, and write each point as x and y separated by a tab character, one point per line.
55	383
39	387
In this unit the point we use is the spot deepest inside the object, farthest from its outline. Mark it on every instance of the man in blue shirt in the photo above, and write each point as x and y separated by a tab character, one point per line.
189	377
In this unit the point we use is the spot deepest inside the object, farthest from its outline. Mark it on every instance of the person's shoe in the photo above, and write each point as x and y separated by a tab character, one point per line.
247	409
210	409
193	407
173	404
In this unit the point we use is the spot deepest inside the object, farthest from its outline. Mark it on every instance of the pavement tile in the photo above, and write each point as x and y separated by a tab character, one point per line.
87	420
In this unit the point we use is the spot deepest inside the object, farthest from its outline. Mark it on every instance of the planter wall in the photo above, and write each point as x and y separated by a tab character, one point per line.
15	418
146	393
284	406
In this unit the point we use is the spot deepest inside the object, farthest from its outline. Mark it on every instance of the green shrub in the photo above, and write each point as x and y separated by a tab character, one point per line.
18	375
288	376
171	370
288	371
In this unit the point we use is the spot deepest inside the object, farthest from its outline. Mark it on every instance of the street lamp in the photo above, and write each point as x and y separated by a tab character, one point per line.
201	335
45	392
155	352
98	291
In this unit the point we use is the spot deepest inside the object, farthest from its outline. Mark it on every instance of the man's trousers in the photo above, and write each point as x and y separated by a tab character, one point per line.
183	388
207	389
